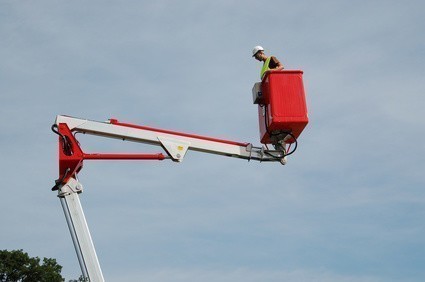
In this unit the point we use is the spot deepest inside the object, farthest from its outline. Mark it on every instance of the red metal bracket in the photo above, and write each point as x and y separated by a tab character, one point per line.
71	156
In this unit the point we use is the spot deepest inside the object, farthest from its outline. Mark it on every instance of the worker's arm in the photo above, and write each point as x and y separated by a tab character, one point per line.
279	67
276	63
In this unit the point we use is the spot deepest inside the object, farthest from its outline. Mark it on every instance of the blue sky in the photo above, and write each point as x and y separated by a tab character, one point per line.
349	205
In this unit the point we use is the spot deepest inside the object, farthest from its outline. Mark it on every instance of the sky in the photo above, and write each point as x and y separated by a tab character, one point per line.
348	206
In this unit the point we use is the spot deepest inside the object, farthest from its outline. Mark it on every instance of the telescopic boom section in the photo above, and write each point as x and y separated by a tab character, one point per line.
175	144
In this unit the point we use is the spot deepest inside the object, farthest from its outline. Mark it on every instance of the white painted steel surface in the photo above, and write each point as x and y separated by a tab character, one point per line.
79	230
107	129
176	146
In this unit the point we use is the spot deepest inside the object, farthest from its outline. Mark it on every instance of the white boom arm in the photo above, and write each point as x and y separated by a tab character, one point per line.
80	234
175	144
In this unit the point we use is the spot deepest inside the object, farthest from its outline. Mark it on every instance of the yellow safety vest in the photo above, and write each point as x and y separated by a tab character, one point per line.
265	67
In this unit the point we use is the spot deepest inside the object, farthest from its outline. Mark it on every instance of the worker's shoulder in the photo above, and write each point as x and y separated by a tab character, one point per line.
274	58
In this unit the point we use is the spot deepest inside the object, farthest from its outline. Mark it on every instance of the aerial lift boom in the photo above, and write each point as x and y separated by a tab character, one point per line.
175	144
282	115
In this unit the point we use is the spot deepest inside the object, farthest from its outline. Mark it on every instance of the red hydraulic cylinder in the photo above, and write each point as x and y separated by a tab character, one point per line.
123	156
116	122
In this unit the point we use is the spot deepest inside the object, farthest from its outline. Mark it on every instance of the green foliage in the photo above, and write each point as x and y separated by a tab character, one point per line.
17	266
80	279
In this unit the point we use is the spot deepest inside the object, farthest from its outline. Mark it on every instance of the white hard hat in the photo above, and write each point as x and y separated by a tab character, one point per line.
256	49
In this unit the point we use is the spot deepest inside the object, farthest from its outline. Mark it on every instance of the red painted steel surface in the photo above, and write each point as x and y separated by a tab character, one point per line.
116	122
124	156
285	106
71	156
